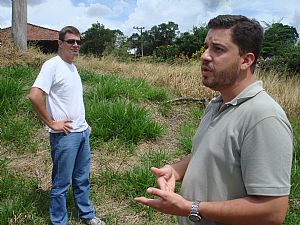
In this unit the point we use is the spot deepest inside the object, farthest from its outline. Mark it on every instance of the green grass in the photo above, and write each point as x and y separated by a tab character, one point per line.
111	87
111	111
13	86
188	128
16	133
126	134
20	203
128	184
122	120
293	216
17	121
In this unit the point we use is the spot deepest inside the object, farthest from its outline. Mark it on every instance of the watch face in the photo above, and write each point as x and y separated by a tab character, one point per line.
194	218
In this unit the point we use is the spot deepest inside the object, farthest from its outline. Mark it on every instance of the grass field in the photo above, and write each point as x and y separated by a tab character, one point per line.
133	129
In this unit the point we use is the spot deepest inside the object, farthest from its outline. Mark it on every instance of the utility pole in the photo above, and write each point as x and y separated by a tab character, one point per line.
140	29
19	24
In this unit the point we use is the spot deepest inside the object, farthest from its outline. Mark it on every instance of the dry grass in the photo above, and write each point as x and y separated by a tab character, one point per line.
285	90
184	79
10	56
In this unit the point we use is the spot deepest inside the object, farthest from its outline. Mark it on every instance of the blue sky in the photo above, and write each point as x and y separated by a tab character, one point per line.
124	14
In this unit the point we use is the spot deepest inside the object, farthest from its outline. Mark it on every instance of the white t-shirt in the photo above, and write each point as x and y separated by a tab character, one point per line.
64	94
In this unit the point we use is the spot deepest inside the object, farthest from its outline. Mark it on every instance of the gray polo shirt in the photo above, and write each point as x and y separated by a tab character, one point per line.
245	148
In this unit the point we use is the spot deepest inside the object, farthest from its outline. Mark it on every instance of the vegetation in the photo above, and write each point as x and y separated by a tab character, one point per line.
118	97
165	43
280	50
98	39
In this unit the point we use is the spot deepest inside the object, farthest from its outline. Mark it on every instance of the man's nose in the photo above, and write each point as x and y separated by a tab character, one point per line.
205	55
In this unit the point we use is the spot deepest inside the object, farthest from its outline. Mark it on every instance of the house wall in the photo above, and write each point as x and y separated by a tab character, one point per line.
44	38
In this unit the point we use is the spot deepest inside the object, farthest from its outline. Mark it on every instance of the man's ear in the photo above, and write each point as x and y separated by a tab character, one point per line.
248	60
60	42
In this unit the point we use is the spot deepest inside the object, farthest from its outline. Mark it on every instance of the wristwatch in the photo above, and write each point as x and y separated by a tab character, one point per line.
195	216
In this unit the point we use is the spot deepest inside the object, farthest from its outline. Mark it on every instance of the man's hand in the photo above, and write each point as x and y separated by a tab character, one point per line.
168	202
165	178
61	125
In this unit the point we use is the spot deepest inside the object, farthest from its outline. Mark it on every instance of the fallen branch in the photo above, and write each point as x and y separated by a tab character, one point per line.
183	100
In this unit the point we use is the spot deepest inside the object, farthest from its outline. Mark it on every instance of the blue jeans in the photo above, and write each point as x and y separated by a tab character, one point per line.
71	164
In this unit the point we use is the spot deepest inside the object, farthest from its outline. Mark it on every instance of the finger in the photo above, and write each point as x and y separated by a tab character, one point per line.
65	131
142	200
153	203
67	120
157	192
68	126
162	184
156	171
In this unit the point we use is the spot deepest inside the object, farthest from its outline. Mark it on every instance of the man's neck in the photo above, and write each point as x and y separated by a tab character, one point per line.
66	58
231	92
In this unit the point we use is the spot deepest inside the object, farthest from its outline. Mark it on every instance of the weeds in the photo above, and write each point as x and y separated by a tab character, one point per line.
122	120
115	96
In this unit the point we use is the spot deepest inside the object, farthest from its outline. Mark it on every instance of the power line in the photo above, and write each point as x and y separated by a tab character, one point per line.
140	29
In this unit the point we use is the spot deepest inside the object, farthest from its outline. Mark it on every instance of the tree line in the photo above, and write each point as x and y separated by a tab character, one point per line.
165	43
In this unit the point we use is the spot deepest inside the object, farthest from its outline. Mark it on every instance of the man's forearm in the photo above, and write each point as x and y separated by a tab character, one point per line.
180	167
250	210
36	98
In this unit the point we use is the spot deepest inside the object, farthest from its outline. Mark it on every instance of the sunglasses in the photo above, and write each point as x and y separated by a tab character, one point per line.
72	41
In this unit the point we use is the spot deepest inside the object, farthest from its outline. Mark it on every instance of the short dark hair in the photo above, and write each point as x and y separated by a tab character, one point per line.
67	29
246	33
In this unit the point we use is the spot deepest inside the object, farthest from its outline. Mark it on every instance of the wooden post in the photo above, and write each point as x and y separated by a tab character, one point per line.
19	24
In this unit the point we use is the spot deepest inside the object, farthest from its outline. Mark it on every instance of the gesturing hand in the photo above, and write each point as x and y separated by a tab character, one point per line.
168	202
165	178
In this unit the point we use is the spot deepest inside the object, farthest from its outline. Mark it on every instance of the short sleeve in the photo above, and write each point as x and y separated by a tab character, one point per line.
266	158
45	78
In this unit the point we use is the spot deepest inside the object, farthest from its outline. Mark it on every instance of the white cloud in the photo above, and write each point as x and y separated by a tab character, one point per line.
34	2
101	10
296	20
98	10
185	13
5	17
5	3
124	14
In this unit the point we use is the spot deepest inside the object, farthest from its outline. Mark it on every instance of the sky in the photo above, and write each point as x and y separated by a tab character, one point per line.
125	14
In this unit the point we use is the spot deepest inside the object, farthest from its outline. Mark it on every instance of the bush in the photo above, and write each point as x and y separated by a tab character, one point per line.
288	61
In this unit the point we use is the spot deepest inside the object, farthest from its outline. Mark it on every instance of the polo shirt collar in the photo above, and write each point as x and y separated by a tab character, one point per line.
249	92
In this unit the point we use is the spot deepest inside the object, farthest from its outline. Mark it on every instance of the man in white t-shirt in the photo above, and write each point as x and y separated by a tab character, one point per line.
64	114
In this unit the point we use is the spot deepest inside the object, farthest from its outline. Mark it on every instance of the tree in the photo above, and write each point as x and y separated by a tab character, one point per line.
277	38
190	43
19	24
98	39
161	35
280	49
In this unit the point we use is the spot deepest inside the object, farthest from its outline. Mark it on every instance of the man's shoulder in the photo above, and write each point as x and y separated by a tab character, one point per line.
53	60
263	106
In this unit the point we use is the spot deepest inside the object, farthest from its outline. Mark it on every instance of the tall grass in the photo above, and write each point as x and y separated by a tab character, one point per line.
122	120
284	89
20	203
115	97
15	124
184	79
111	87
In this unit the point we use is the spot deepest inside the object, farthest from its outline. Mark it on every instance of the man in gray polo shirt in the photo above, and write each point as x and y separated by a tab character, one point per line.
240	165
